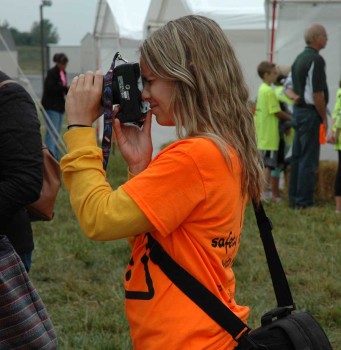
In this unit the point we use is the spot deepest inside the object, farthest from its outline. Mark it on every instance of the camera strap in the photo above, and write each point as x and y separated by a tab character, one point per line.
107	106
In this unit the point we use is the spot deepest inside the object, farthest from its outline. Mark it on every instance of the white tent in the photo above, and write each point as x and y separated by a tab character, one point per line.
8	54
291	19
244	23
120	26
115	30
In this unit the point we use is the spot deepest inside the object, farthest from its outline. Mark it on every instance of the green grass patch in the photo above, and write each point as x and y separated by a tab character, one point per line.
29	58
81	282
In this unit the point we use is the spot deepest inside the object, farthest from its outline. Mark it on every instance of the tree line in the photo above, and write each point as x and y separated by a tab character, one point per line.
33	37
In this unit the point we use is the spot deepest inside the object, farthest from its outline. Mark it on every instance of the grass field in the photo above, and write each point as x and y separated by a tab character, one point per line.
29	58
81	282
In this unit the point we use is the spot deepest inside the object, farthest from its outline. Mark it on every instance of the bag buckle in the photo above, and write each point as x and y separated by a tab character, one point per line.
278	312
246	342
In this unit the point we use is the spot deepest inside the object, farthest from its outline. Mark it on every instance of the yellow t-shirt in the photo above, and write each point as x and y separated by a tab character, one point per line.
266	122
194	201
337	117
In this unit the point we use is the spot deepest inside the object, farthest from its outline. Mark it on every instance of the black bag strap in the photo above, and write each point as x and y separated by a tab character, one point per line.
196	291
278	277
205	299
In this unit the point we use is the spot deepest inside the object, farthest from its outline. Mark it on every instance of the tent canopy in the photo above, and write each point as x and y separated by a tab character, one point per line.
244	23
232	14
130	15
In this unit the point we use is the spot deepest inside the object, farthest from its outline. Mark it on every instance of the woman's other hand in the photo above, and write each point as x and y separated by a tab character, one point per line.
135	143
83	99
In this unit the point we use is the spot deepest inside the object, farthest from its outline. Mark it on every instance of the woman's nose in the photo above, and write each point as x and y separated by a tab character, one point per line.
145	94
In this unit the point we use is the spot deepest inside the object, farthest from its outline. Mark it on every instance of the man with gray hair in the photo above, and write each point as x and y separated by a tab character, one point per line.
310	84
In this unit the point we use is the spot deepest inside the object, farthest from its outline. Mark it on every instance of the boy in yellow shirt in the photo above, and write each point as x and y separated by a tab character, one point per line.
268	113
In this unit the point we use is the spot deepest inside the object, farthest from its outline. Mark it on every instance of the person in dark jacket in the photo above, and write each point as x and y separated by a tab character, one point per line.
53	101
21	165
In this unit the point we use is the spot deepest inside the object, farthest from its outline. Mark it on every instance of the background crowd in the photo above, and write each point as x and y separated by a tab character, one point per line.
291	121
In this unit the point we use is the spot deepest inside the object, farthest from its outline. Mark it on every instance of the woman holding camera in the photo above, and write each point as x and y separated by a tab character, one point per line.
191	197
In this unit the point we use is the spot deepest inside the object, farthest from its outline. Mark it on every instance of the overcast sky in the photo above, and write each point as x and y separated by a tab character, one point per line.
72	18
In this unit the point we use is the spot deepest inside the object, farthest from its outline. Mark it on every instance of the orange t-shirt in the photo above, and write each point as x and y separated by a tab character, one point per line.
194	201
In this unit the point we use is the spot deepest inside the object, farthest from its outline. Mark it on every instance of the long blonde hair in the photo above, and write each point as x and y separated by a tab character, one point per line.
210	98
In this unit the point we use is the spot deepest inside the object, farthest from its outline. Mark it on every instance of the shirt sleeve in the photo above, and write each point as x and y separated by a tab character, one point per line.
104	214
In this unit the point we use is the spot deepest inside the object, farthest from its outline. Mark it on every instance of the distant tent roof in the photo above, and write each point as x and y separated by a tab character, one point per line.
7	36
130	16
230	14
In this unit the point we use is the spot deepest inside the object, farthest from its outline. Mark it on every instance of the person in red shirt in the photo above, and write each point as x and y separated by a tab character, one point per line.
191	197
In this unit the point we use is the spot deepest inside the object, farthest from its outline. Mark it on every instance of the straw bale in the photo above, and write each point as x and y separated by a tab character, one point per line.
325	180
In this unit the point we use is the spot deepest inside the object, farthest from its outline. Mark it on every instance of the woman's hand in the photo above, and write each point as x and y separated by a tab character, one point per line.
135	143
83	99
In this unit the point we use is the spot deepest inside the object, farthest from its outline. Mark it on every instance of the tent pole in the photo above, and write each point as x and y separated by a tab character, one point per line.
267	6
274	5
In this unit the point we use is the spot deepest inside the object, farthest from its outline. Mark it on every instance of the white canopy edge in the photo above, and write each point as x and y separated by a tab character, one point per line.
304	1
130	15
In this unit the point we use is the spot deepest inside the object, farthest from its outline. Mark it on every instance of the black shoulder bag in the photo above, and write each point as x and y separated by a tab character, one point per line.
281	328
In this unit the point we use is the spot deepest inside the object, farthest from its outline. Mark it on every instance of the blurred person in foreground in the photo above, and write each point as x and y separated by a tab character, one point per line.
334	137
53	101
189	197
21	165
310	84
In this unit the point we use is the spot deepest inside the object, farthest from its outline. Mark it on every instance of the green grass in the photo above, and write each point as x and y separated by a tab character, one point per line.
81	282
29	58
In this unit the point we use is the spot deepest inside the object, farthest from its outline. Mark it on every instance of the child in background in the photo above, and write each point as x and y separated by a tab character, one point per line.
286	135
335	138
267	116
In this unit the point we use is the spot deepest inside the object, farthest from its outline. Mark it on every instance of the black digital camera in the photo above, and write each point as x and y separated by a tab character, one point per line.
126	89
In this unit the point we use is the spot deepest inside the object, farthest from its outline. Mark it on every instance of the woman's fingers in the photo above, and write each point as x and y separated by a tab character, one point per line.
120	138
88	80
74	83
80	82
147	125
98	80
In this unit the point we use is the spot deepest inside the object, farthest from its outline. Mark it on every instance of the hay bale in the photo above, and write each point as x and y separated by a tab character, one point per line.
325	183
325	180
